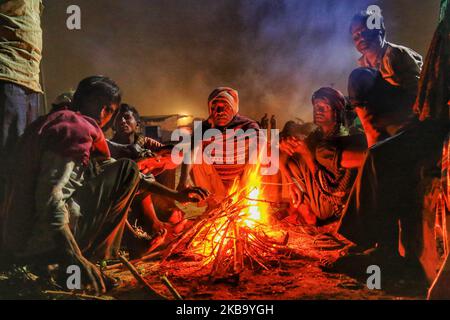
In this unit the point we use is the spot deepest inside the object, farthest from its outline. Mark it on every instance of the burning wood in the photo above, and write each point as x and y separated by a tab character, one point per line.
236	234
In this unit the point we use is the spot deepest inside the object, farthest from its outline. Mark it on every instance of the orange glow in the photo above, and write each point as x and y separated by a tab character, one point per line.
247	194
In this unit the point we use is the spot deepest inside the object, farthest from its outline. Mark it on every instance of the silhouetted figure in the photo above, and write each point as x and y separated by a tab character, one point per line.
273	122
265	122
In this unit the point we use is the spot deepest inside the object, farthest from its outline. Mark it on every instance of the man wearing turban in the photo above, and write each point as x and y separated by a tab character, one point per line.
322	167
218	177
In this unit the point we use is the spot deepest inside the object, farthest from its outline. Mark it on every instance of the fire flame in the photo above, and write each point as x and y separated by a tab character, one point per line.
255	211
247	193
237	232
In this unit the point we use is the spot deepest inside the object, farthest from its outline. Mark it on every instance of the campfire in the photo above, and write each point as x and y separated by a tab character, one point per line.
237	234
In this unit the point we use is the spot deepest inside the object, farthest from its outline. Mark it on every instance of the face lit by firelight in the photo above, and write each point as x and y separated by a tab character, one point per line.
221	113
126	123
324	115
366	40
106	114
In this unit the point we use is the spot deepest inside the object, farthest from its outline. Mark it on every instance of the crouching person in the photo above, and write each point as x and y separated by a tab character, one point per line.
153	158
66	203
322	172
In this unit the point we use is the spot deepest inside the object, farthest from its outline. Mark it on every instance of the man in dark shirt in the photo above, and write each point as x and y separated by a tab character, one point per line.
396	65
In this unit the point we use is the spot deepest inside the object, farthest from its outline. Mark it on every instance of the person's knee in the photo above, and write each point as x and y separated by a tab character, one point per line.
130	171
294	167
131	167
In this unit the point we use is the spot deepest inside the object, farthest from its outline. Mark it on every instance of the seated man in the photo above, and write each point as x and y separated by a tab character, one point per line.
224	114
399	66
322	171
72	207
127	128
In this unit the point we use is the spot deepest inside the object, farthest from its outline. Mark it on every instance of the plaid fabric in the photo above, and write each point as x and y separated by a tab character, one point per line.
230	164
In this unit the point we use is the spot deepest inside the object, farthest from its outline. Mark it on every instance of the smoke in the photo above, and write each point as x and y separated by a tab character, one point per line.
167	55
294	48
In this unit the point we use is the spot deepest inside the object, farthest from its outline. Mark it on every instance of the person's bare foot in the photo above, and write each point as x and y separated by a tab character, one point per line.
176	217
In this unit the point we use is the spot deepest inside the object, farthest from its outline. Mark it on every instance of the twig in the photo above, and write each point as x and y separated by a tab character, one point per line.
261	200
169	286
153	293
216	262
78	295
238	250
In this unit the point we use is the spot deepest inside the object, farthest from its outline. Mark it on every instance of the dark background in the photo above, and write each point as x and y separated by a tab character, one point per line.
167	55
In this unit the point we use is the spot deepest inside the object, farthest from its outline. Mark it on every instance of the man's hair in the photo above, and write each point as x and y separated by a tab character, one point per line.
124	107
361	19
96	92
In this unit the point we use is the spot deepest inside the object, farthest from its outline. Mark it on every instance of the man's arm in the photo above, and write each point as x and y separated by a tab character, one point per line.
192	194
71	255
131	151
52	192
352	159
185	171
295	147
406	65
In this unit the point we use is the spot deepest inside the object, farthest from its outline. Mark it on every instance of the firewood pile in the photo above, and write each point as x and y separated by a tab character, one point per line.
236	234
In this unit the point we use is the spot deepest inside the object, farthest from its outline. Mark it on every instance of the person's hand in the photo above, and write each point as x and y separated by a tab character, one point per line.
91	276
292	145
149	165
136	151
192	194
296	195
165	157
286	147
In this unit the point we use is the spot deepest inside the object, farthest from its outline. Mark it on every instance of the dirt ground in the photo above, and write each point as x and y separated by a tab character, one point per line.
293	277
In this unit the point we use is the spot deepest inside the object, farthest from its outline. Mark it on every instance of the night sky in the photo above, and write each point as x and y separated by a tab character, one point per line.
167	55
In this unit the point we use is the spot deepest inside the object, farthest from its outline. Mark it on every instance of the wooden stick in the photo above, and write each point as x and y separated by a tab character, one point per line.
238	251
169	286
217	261
153	293
171	249
139	260
78	295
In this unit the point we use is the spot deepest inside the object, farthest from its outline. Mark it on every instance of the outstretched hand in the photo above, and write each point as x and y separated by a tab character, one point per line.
157	163
192	194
